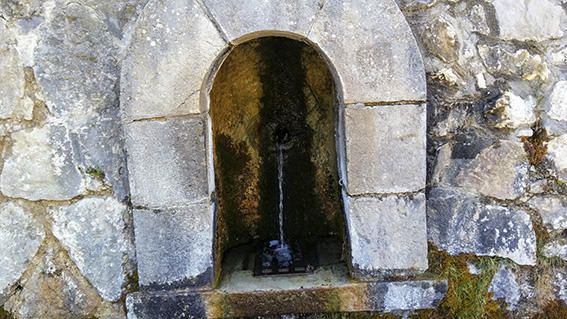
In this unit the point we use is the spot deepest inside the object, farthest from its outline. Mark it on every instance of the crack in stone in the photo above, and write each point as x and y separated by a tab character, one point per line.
164	118
370	105
214	21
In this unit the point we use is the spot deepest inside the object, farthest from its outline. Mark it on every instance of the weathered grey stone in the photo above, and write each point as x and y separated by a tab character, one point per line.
76	64
119	16
53	291
242	20
506	60
38	165
371	67
173	48
92	230
77	71
311	302
378	229
557	248
20	238
557	104
174	247
385	148
477	17
529	20
505	178
166	305
13	103
505	286
166	162
560	284
557	152
553	211
404	296
459	223
453	157
21	8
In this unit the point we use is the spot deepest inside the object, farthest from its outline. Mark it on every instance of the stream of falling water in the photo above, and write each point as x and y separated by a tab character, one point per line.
280	186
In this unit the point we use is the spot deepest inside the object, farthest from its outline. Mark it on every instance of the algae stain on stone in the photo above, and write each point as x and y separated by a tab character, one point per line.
264	85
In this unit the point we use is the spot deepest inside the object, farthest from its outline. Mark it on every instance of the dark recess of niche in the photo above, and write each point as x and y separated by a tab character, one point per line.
295	93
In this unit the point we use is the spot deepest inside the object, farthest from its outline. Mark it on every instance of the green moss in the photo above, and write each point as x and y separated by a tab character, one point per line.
553	310
95	172
467	296
5	314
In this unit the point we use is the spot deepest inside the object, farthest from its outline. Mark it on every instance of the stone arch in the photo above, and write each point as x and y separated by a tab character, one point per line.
166	77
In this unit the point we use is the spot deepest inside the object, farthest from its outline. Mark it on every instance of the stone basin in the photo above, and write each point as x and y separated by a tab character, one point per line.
327	290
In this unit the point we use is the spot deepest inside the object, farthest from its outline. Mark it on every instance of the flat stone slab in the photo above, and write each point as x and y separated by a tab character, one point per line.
460	223
357	38
505	178
174	247
40	165
242	20
173	48
529	20
20	238
351	297
92	230
166	162
379	228
385	148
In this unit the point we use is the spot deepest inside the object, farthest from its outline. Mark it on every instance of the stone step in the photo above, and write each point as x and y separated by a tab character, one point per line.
397	296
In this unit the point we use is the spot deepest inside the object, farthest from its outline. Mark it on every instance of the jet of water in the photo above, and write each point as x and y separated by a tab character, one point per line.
280	186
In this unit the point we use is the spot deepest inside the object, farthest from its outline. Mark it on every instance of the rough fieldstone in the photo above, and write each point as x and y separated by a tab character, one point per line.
459	223
505	286
560	284
92	230
557	108
512	111
77	70
506	60
240	19
173	48
39	165
404	296
20	238
174	248
379	228
505	178
556	248
53	291
167	162
385	148
553	211
75	63
21	8
13	103
440	38
529	20
557	152
371	67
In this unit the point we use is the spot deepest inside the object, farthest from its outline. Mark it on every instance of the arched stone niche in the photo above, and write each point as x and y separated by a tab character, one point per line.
175	51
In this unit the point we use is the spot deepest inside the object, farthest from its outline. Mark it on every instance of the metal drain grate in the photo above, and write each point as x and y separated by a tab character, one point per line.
275	259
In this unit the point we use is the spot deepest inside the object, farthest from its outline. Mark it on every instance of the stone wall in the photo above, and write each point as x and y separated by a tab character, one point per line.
497	155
